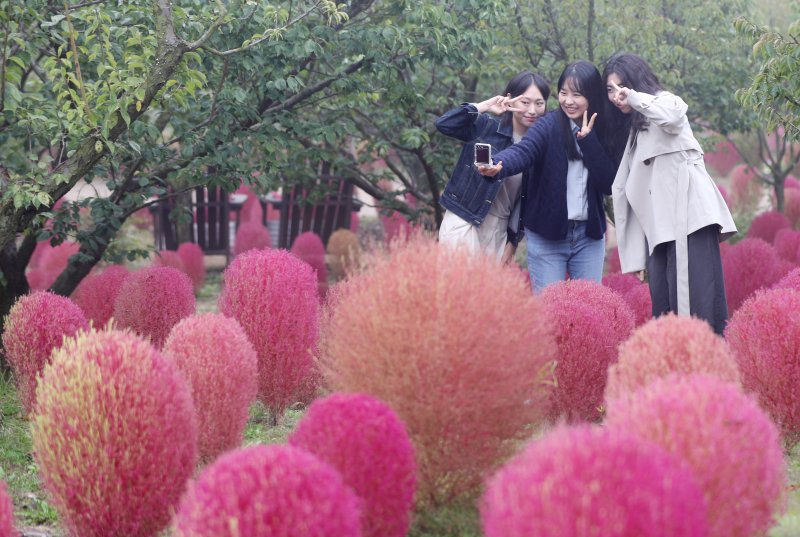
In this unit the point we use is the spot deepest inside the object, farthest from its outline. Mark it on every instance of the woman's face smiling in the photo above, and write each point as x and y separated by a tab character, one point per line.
572	102
531	107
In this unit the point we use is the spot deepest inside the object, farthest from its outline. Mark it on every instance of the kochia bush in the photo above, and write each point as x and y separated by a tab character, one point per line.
272	491
193	262
787	244
729	442
344	252
169	258
583	480
114	435
251	236
308	247
97	293
219	363
767	224
34	326
790	281
665	345
749	265
590	321
426	330
638	299
6	513
152	300
273	296
765	337
368	444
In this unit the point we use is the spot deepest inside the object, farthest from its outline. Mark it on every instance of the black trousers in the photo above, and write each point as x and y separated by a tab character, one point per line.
706	281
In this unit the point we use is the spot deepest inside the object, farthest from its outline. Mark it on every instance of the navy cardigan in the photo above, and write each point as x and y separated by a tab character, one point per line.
542	147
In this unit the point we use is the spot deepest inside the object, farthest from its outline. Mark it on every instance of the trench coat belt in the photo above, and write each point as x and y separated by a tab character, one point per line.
682	234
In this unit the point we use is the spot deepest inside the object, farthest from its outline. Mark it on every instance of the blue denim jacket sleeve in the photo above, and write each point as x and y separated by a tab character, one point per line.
522	155
463	123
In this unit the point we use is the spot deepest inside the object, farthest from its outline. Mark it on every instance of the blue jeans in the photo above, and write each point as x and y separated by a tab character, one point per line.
577	255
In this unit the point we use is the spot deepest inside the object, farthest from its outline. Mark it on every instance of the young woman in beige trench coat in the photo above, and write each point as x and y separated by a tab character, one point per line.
669	214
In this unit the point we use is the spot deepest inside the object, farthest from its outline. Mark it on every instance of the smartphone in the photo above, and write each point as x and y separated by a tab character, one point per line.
483	154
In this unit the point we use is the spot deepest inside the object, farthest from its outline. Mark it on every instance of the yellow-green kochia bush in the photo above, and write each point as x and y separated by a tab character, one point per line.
114	435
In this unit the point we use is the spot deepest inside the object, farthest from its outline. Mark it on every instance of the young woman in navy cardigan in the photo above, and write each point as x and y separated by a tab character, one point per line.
571	171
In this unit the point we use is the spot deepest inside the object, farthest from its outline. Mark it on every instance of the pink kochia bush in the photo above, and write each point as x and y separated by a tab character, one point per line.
583	480
279	491
787	244
97	293
308	247
251	236
731	445
365	440
152	300
749	265
34	326
767	224
639	300
193	262
426	330
665	345
765	337
6	513
590	321
273	296
219	363
169	258
114	435
790	281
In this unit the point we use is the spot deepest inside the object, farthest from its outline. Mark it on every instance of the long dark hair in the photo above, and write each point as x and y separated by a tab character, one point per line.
634	73
583	77
519	85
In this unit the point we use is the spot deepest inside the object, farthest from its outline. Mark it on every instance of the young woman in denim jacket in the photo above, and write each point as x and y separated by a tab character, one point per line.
564	219
483	216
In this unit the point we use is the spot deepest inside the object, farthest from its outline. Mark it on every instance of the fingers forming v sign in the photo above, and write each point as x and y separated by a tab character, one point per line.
587	126
509	103
620	94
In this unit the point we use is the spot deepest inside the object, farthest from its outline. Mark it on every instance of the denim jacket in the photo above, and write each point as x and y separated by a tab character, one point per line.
468	194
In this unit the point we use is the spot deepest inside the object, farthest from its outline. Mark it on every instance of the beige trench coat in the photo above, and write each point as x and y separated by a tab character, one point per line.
662	191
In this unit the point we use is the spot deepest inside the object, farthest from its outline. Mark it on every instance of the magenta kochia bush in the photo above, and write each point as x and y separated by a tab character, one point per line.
6	513
251	236
638	299
365	440
790	281
426	330
273	295
193	262
219	362
764	335
665	345
787	244
97	293
767	224
152	300
586	481
114	435
589	321
730	443
749	265
34	326
277	490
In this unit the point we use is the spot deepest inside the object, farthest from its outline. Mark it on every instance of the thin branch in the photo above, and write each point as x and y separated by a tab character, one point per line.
219	21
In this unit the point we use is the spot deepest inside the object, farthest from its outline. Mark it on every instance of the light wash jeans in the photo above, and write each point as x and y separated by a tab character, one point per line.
577	255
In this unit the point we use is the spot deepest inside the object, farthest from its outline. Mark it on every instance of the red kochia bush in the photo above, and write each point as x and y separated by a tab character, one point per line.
665	345
308	247
114	435
52	263
641	304
169	258
787	244
152	300
767	224
746	190
730	443
583	480
6	513
251	236
194	263
365	440
749	265
590	321
620	282
790	281
273	295
765	337
279	491
34	326
426	330
219	362
97	293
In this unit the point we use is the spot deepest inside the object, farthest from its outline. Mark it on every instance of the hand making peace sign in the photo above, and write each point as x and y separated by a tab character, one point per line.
620	97
499	105
586	128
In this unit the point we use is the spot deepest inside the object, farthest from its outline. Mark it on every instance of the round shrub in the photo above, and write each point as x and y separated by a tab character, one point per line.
590	321
344	252
749	265
273	296
220	365
34	326
730	443
53	262
764	335
583	480
6	513
268	490
194	263
639	301
619	282
97	293
723	158
746	190
787	244
251	236
767	224
395	226
308	247
169	258
613	264
368	444
426	330
114	435
152	300
790	281
665	345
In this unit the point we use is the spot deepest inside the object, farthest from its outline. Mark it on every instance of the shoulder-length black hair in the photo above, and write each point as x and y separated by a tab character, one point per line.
519	85
582	77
